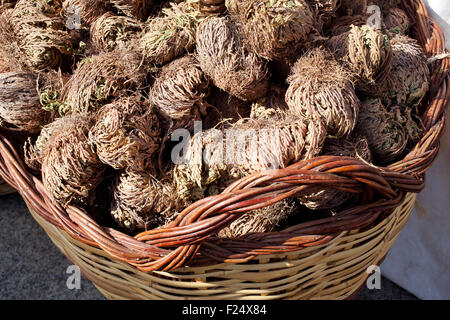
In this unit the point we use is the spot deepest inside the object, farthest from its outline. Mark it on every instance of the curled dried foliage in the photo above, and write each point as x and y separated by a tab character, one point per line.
126	134
214	158
273	29
331	198
368	53
223	59
87	10
141	201
409	79
70	167
323	10
267	219
171	34
179	91
320	88
20	107
397	22
387	130
110	31
102	78
10	56
137	9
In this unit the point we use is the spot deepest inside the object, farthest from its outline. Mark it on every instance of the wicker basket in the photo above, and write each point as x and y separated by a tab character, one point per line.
322	259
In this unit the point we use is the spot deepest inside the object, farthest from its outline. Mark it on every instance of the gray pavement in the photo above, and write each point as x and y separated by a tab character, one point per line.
32	268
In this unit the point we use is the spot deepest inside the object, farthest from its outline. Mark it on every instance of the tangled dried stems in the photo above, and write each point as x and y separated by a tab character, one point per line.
20	106
126	134
137	9
11	58
87	10
332	198
368	53
215	158
70	166
179	92
409	80
273	29
270	105
267	219
110	31
103	78
323	10
171	34
321	89
387	130
141	201
223	59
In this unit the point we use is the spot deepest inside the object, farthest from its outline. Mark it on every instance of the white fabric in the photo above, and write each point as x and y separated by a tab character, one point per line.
419	261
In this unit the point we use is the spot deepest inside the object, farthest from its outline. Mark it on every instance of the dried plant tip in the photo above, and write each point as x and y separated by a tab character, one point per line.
321	89
387	131
273	29
333	198
223	59
70	167
366	52
140	201
126	134
111	31
100	79
20	107
267	219
179	91
215	158
409	80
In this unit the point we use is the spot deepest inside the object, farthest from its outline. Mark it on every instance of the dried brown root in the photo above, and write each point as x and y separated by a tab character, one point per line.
397	22
409	79
137	9
273	29
179	92
86	11
20	107
171	34
366	52
332	198
215	158
224	60
387	130
70	167
321	89
126	134
110	31
267	219
100	79
141	201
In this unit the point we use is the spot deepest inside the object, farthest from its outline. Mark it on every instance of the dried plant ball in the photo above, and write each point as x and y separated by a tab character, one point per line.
140	201
223	59
180	89
102	78
70	166
320	88
332	198
171	34
366	52
273	29
215	158
82	13
20	107
397	22
110	31
137	9
388	131
267	219
126	134
409	79
11	59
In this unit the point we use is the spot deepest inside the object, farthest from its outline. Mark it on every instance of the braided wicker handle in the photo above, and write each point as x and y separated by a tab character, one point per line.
190	238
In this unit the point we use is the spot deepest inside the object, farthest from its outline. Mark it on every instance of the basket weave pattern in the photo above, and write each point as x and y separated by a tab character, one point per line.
189	239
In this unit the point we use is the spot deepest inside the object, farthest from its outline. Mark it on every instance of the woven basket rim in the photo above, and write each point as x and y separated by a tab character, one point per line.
189	239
